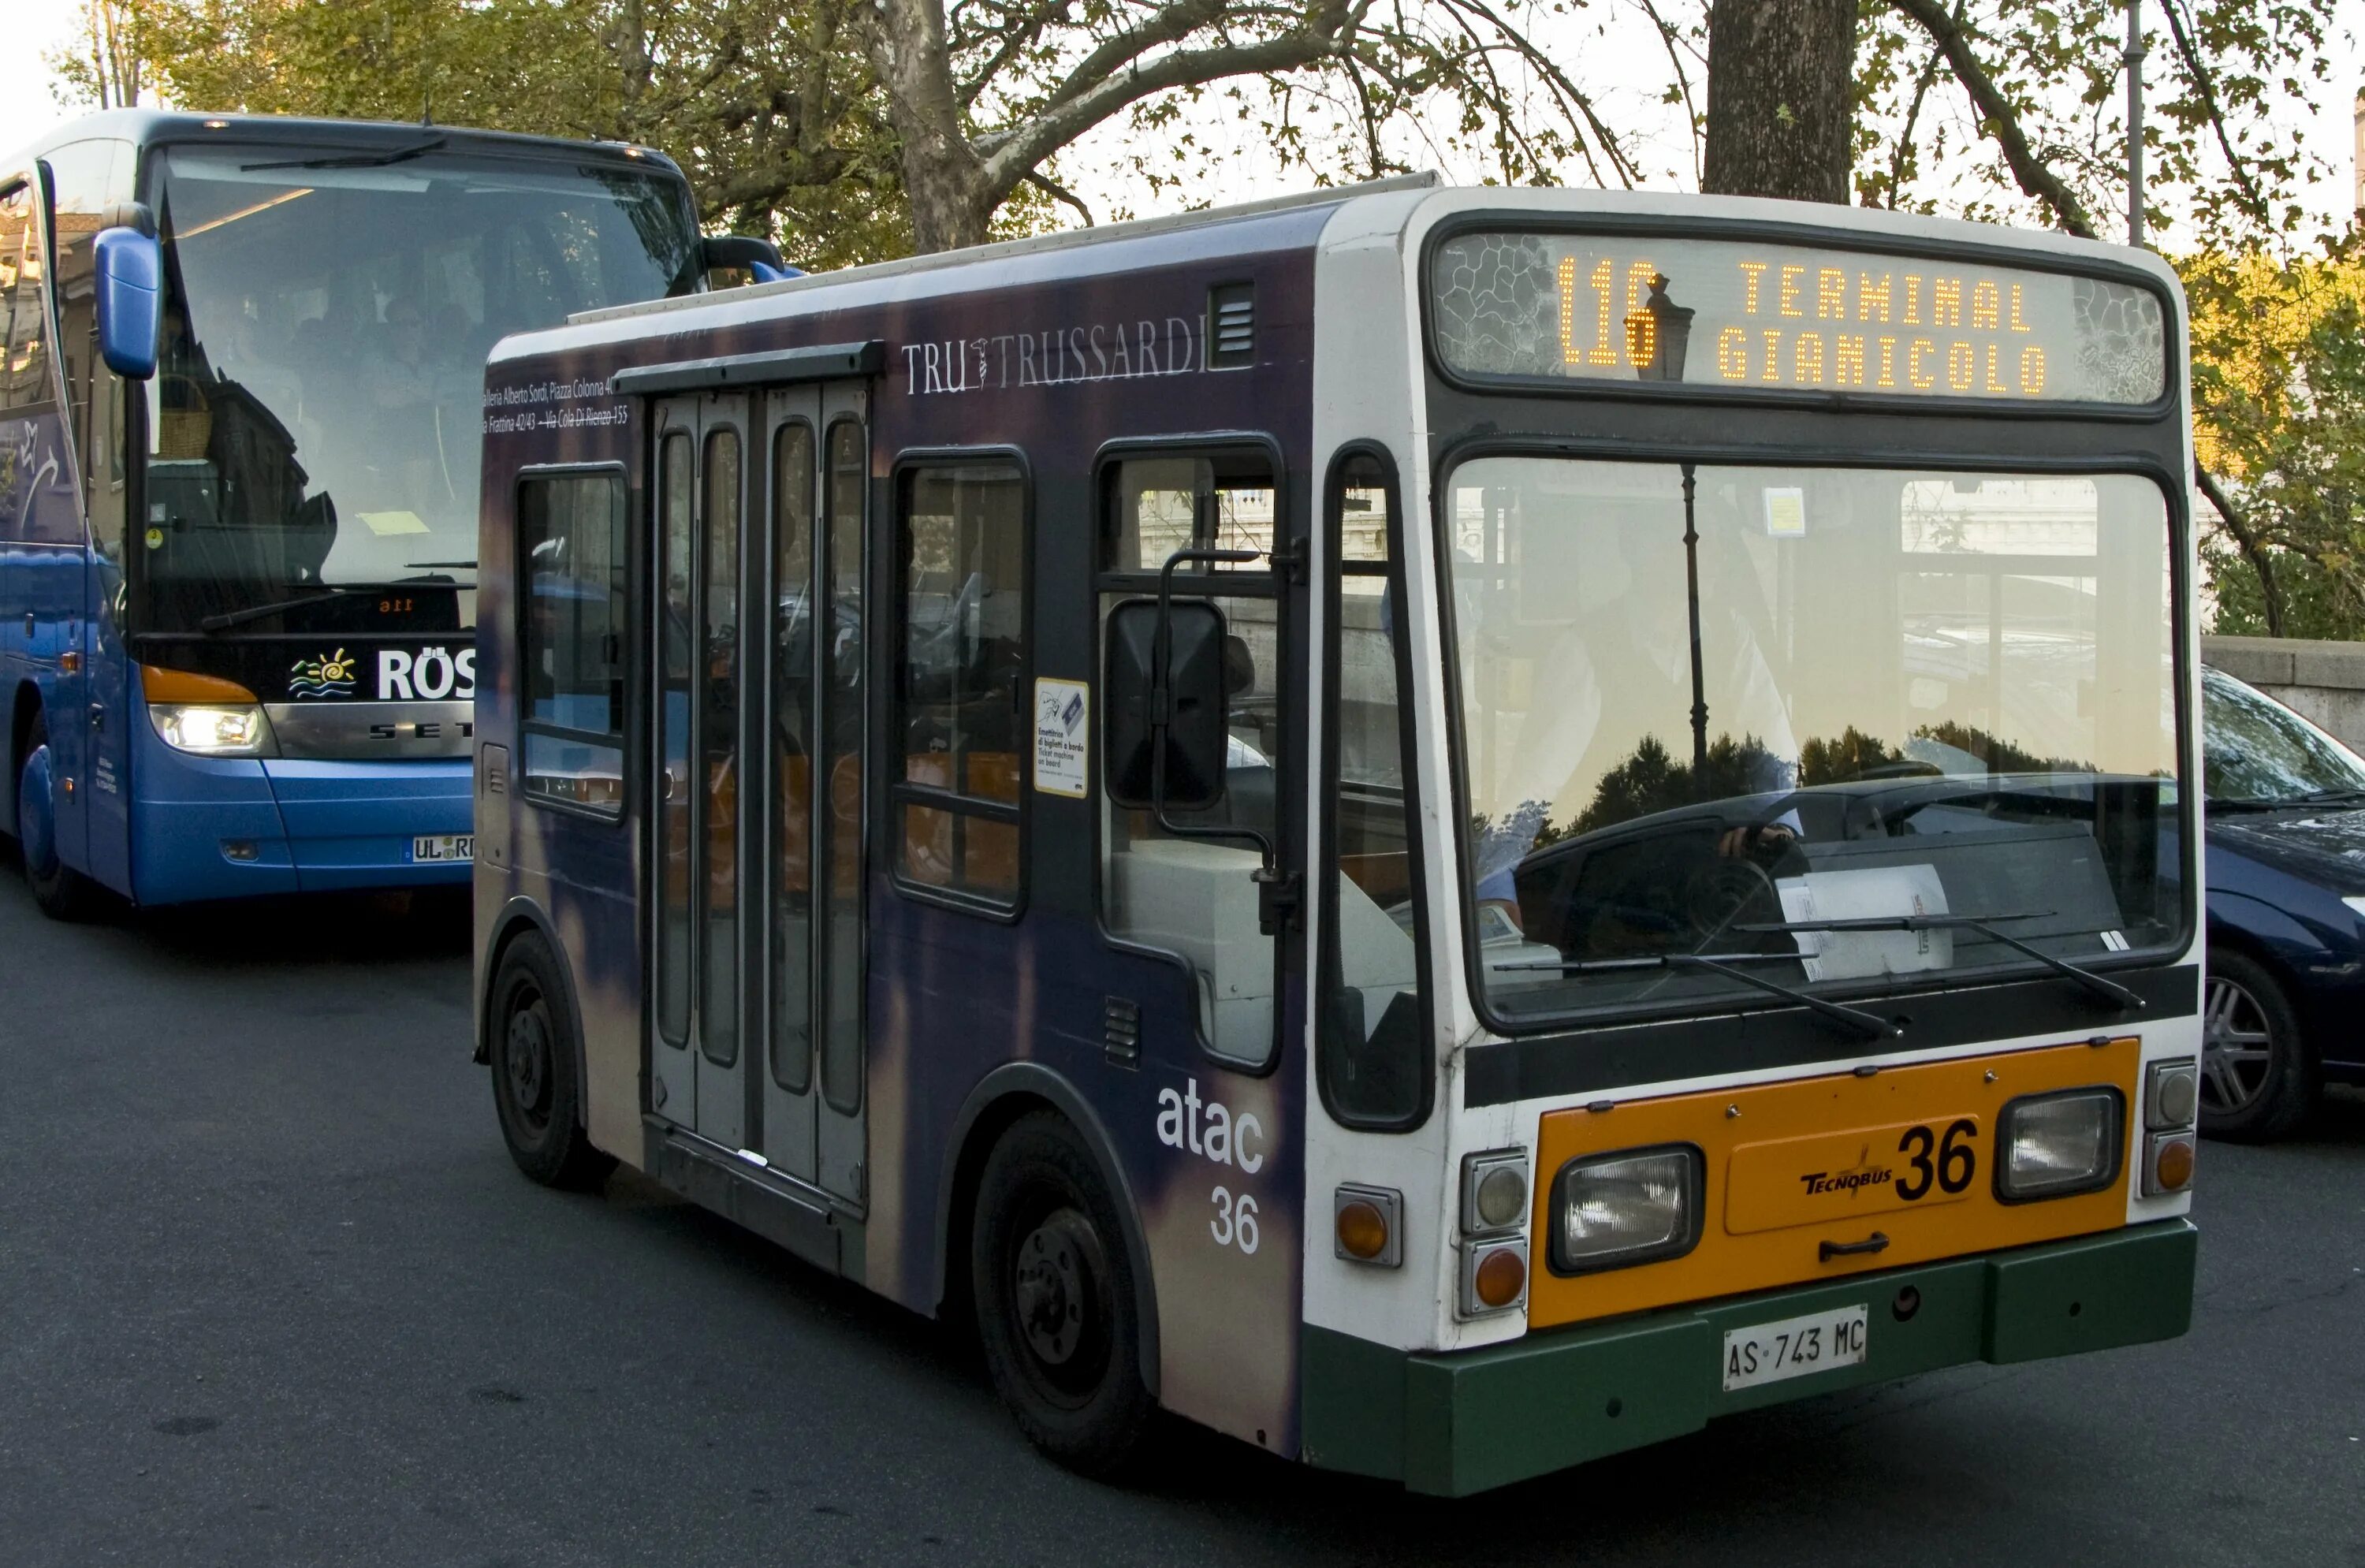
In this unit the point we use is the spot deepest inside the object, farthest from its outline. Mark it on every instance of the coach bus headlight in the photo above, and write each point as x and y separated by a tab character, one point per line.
2051	1146
1635	1206
209	728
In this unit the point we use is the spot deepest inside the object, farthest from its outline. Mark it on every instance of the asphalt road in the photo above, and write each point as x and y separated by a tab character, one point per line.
271	1293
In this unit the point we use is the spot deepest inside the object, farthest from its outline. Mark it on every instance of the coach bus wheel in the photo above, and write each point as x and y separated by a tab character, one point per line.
1055	1300
536	1087
2254	1081
62	892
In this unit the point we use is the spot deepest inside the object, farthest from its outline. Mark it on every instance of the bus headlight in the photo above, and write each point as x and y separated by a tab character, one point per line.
1634	1207
2051	1146
209	729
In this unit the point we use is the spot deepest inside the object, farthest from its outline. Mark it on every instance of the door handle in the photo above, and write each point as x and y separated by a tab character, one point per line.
1877	1242
97	717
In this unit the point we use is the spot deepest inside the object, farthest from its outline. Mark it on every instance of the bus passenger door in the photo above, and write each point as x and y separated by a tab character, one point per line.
808	989
696	870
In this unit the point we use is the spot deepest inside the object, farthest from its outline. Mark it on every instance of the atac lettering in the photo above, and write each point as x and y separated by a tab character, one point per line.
1208	1128
1053	357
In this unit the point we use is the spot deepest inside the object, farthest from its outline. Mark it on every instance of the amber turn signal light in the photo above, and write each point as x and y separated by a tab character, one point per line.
1369	1225
1502	1275
1362	1231
2169	1168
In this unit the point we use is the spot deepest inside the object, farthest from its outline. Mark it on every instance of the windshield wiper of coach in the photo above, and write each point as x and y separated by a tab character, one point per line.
2106	990
357	160
1855	1020
324	593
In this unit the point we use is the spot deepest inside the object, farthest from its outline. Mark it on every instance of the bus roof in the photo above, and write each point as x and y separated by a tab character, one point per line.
150	127
1404	207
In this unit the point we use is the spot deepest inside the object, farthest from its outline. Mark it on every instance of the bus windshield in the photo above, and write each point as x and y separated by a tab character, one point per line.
1707	711
316	416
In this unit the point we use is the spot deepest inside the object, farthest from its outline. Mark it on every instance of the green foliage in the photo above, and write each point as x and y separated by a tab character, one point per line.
2223	79
767	104
2278	401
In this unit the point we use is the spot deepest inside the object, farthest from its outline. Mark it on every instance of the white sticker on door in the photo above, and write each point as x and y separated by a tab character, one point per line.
1062	709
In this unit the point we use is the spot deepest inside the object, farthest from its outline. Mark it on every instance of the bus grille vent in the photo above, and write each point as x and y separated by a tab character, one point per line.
1121	1030
1231	325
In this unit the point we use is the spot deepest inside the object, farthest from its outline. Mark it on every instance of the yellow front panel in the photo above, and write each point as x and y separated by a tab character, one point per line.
1907	1153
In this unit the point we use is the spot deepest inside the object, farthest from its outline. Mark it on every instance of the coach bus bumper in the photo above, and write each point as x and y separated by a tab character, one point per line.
1459	1423
234	827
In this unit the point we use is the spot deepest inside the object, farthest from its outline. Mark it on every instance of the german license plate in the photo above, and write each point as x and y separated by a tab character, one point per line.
1771	1352
443	848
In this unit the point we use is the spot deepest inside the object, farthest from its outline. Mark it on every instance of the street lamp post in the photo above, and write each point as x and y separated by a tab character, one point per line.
2134	58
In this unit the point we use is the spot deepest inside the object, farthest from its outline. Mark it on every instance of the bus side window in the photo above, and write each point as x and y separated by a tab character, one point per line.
570	679
960	540
1374	1037
24	371
1195	897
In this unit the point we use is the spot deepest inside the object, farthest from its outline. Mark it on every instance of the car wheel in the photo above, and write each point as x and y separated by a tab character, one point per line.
1054	1298
2255	1079
535	1089
62	892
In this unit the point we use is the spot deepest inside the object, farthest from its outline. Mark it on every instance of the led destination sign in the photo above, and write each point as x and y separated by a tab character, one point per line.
1723	313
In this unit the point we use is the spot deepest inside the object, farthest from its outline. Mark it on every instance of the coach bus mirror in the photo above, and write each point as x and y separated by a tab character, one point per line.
131	288
761	258
1191	732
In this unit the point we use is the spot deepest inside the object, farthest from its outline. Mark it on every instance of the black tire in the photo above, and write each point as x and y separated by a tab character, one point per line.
62	892
2257	1082
536	1090
1056	1311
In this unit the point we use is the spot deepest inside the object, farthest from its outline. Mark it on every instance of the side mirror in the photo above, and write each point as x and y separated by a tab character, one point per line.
1189	733
760	257
130	288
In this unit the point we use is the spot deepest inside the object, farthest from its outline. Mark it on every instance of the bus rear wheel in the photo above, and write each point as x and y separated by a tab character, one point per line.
62	892
536	1090
1056	1310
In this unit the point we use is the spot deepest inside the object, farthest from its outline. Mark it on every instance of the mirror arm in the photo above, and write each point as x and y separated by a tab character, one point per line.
1162	659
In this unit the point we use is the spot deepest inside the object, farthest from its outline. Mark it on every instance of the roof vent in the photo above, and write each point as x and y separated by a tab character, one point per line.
1231	326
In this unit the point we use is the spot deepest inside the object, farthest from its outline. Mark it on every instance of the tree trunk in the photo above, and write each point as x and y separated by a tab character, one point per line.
1781	98
943	175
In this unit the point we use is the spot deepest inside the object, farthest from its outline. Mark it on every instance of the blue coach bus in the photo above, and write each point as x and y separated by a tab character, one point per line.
239	435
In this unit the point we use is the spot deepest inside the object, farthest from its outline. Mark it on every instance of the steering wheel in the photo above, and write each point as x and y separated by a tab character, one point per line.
1720	891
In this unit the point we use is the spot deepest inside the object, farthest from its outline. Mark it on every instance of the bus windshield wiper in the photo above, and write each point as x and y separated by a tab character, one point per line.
357	160
229	618
321	595
2289	802
2108	991
1871	1026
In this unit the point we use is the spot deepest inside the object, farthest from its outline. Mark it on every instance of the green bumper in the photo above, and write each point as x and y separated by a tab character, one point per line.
1459	1423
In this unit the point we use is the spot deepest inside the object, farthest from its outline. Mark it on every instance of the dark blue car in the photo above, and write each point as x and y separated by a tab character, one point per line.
2285	1010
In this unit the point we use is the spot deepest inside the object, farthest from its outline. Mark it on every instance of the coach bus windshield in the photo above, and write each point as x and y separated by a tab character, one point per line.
315	420
1705	712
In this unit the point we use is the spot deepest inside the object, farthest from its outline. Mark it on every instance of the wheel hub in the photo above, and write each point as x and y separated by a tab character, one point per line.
1052	1285
528	1057
2236	1047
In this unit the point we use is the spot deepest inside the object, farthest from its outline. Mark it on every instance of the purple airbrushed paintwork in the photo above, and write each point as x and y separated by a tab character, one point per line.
1050	355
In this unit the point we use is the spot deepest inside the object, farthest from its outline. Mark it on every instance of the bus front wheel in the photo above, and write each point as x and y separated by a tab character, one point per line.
536	1089
62	892
1056	1309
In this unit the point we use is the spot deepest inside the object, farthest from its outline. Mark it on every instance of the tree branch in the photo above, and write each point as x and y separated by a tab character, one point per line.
1018	150
1062	194
2002	122
2252	547
2253	201
1682	81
